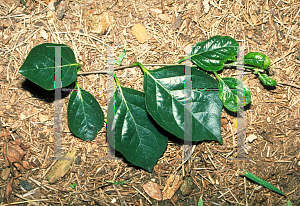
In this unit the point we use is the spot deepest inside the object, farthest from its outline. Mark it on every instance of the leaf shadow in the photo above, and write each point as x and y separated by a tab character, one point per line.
43	94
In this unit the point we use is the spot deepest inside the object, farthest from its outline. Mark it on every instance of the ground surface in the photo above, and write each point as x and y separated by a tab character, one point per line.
270	27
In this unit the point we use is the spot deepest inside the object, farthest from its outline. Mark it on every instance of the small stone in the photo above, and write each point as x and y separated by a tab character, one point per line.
268	119
164	17
44	34
187	187
51	6
25	185
140	33
251	138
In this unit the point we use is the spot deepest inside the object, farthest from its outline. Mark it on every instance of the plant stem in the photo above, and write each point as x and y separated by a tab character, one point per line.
121	67
181	60
247	67
218	77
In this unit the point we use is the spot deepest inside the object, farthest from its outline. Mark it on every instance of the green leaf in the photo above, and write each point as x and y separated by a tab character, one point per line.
228	87
288	203
211	54
262	182
39	65
257	60
121	57
85	116
266	80
133	132
200	203
165	93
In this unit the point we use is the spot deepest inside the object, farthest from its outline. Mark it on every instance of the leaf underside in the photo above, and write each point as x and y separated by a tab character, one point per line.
165	94
132	131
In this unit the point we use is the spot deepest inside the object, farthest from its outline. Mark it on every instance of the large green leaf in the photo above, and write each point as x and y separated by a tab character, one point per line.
257	60
39	65
85	116
132	130
211	54
165	93
228	93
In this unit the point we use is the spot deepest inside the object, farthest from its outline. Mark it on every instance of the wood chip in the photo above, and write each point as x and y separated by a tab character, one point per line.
169	191
101	23
140	33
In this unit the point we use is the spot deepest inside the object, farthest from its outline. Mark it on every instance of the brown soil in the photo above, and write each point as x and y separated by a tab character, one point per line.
269	27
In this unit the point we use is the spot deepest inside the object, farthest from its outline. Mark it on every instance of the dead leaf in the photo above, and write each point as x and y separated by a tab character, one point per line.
8	191
140	33
168	190
61	167
5	173
224	122
152	189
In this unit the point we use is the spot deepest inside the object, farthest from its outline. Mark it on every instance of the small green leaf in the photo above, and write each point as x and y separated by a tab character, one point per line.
228	87
288	203
165	100
85	116
73	185
262	182
122	55
266	80
200	203
257	60
39	65
132	130
211	54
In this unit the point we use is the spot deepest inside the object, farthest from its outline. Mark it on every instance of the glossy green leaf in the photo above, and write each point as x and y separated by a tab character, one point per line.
257	60
228	87
85	116
262	182
266	80
211	54
39	65
165	93
288	203
132	130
